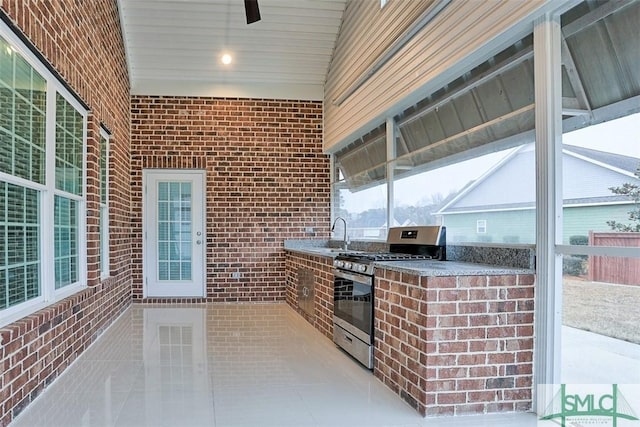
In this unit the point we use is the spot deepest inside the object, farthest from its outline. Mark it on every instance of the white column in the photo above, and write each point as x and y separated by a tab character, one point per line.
391	157
548	118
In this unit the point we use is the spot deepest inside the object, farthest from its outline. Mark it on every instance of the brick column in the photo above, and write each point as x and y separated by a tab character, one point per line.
455	345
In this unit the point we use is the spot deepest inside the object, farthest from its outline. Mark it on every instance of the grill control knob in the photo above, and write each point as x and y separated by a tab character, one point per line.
362	268
338	263
348	265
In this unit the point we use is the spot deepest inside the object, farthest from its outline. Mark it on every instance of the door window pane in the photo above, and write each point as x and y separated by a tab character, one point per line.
174	231
19	245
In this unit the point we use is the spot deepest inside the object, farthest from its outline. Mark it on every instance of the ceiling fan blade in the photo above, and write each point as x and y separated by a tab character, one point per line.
252	11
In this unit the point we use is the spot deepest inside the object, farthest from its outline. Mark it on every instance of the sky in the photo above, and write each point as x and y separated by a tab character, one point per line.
620	136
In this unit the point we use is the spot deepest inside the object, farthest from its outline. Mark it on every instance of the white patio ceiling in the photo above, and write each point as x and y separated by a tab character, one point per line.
174	47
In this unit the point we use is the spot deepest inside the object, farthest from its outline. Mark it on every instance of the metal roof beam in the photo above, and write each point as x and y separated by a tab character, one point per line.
475	82
574	77
594	16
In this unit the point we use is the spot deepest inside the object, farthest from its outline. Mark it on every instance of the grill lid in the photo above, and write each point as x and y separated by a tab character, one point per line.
430	235
405	243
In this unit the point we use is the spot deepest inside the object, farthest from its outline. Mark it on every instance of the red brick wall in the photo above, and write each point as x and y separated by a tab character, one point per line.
38	348
456	345
266	180
83	43
322	268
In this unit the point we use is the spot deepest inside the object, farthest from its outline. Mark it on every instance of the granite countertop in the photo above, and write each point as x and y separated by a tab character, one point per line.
328	252
418	267
449	268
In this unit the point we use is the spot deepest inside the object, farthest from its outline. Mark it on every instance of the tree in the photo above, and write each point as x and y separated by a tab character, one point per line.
633	192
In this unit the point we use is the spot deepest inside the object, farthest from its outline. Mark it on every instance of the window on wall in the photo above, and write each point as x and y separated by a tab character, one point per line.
600	160
491	108
360	188
42	142
465	195
69	144
601	169
20	241
462	154
365	212
104	203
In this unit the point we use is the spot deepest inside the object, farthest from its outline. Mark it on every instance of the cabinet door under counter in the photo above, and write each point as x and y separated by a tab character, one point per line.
306	291
309	288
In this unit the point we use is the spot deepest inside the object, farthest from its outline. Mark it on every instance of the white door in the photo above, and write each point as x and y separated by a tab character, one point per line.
174	238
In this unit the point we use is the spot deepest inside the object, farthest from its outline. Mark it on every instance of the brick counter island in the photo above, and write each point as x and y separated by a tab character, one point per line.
451	338
452	344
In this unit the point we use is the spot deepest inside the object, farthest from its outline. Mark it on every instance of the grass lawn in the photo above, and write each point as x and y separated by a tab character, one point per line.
603	308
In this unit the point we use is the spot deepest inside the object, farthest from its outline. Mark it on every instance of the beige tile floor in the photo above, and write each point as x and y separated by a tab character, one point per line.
225	365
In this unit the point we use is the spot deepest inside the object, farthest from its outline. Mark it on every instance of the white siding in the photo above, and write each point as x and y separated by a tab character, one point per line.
514	182
583	179
447	46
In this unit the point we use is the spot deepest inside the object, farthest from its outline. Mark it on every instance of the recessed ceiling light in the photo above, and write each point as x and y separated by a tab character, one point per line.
226	59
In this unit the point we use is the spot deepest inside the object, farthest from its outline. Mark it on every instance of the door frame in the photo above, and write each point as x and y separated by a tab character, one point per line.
147	263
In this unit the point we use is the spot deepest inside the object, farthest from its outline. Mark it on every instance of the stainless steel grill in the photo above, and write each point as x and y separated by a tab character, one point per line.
405	243
354	281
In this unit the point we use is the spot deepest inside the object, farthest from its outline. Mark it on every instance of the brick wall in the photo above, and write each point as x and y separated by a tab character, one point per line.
322	268
456	345
80	383
266	180
82	41
38	348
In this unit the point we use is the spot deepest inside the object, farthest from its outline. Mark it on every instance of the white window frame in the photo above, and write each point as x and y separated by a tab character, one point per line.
481	226
15	312
550	249
48	293
549	213
548	142
105	258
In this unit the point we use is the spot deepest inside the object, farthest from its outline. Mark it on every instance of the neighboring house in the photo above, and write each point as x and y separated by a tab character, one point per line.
498	207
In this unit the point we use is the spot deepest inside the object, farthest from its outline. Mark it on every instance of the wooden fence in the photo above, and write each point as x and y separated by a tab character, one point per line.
614	269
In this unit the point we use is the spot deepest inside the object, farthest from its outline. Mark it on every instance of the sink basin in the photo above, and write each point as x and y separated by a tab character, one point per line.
334	251
328	250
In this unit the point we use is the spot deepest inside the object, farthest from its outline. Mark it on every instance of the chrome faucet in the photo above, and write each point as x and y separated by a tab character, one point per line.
344	239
